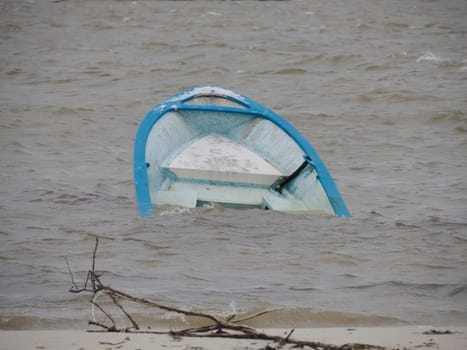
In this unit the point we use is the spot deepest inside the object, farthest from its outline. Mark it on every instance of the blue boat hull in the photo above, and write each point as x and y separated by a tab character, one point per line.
211	145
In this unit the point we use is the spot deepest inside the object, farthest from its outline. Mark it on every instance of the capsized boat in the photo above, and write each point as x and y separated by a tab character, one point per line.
208	144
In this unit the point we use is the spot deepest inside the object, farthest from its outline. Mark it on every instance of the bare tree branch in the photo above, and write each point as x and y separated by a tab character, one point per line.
246	318
74	288
114	324
114	299
220	328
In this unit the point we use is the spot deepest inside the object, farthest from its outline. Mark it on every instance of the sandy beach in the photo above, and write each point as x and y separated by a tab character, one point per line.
407	337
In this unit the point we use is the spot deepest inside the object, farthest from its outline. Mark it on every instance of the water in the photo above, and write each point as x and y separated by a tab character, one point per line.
379	88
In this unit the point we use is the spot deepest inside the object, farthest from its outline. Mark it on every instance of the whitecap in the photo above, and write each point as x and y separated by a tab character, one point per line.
233	307
429	56
464	68
171	315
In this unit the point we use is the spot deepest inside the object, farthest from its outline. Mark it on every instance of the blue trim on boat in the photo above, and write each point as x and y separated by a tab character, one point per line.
177	102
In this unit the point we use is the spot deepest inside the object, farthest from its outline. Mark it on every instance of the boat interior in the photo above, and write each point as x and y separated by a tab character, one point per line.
234	159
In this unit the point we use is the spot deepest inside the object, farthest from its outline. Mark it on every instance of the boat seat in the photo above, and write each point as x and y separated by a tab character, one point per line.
216	158
185	198
189	194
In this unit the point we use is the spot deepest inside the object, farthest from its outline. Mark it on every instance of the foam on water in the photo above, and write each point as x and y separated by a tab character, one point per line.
174	211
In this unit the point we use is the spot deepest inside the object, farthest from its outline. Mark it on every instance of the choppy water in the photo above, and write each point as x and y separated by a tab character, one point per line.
378	87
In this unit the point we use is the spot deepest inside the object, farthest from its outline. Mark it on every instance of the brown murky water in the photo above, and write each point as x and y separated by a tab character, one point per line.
379	88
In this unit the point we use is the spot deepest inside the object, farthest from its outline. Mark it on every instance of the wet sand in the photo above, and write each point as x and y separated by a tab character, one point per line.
407	337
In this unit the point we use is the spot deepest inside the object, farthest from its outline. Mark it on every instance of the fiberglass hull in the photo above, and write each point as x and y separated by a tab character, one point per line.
211	145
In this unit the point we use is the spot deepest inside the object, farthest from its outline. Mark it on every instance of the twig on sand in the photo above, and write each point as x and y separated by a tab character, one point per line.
229	327
437	332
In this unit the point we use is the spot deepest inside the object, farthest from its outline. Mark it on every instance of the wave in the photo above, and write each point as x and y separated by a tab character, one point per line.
290	71
458	290
15	322
449	116
429	56
307	317
395	25
66	198
309	59
396	96
415	288
441	61
277	318
456	120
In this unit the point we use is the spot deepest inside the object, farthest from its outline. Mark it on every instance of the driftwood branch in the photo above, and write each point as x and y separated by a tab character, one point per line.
114	324
229	327
133	322
258	314
74	288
